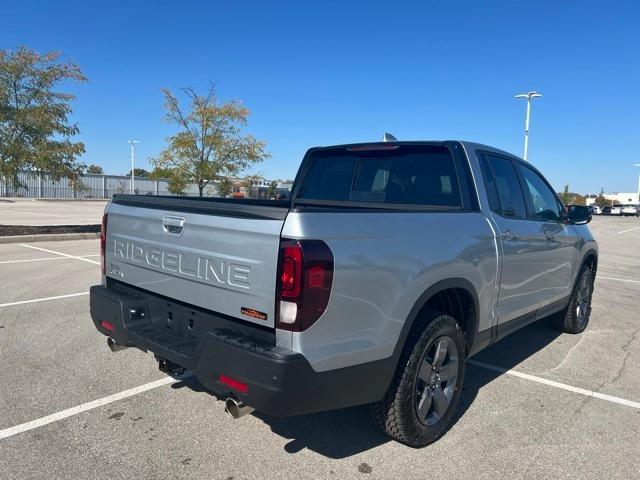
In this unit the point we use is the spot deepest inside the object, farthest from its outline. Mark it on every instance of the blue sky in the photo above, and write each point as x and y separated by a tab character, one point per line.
318	73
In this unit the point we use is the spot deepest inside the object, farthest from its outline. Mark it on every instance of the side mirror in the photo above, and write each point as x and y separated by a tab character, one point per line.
578	214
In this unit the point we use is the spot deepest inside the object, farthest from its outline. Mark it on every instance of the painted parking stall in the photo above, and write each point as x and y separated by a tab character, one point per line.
76	410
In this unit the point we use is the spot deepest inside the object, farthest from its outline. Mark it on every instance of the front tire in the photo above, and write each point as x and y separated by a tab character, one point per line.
576	316
419	406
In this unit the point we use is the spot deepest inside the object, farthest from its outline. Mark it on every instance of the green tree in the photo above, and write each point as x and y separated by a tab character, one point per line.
77	185
272	190
177	184
138	172
160	173
249	182
35	131
225	187
209	143
600	200
95	170
566	196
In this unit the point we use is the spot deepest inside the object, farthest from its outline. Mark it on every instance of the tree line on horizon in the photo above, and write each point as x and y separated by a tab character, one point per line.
37	134
600	200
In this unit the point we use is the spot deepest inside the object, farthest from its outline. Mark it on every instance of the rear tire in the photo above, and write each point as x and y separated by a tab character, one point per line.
575	318
419	406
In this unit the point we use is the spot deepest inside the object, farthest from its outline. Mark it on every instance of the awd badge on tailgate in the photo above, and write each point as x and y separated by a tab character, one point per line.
114	270
250	312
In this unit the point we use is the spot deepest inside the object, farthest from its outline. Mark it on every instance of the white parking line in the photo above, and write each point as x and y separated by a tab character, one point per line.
22	302
617	279
552	383
69	412
630	230
60	253
26	260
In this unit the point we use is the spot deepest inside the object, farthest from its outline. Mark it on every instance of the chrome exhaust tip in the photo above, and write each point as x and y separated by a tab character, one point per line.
236	409
114	346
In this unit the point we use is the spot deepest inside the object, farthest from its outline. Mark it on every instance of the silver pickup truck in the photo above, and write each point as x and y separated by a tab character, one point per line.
390	264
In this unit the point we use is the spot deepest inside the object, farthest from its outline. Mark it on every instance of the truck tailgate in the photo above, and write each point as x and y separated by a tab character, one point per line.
220	256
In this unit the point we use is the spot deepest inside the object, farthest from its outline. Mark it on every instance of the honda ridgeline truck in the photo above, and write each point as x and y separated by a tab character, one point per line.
389	265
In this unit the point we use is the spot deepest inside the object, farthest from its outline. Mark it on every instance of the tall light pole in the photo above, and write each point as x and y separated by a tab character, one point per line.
638	165
528	96
133	159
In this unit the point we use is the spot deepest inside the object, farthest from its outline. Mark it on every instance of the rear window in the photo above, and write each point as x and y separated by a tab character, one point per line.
405	174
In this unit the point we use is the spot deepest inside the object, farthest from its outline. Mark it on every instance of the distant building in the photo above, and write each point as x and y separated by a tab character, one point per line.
260	188
621	198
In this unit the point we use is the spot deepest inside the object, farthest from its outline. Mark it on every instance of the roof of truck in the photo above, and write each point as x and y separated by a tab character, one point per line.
468	145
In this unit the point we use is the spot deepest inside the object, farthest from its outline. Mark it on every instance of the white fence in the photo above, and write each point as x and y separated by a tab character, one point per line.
34	185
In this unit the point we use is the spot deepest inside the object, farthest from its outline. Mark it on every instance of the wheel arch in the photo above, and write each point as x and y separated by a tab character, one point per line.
454	296
590	258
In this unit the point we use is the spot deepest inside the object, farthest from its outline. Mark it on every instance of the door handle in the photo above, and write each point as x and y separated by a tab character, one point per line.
507	235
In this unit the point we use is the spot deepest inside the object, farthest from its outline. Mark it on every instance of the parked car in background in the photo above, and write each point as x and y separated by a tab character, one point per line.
596	210
616	210
606	210
629	210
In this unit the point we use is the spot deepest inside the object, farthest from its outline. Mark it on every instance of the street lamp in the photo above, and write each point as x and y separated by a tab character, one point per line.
133	158
638	165
528	96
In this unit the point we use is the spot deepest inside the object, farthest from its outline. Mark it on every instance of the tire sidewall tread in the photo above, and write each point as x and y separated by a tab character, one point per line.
395	413
567	321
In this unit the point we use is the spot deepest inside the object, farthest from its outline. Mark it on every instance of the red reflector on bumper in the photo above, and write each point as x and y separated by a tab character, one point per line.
106	325
234	384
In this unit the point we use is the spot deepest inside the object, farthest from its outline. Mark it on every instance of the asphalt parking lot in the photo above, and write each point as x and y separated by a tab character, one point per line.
69	408
27	211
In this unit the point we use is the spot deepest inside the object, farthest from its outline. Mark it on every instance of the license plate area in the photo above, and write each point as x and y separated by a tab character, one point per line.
166	323
176	326
178	320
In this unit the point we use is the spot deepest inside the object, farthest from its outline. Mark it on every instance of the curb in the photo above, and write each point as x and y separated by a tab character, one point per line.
66	200
48	237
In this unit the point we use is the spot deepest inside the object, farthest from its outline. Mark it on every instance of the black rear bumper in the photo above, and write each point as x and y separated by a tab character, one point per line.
279	382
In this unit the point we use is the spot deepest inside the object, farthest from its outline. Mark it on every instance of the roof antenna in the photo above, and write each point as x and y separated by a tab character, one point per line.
387	137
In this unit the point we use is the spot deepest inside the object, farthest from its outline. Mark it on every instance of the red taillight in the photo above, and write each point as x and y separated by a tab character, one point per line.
291	275
234	384
315	276
103	242
106	325
306	276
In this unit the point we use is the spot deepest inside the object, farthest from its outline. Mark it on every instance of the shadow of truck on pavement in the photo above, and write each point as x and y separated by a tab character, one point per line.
342	433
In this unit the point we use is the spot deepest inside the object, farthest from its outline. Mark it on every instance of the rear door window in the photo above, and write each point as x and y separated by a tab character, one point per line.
393	174
505	183
490	185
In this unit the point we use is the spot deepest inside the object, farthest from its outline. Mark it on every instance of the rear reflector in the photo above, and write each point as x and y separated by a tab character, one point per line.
234	384
106	325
